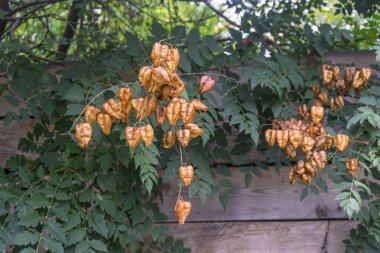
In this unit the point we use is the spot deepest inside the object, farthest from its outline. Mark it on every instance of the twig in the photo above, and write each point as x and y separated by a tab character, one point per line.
220	14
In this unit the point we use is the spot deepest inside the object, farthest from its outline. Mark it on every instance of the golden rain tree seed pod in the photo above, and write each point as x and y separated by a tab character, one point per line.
104	122
138	105
182	210
160	75
144	76
295	138
112	108
270	136
292	176
300	167
183	136
290	151
83	133
160	114
168	140
133	136
195	131
124	94
307	143
365	73
152	86
303	112
316	89
186	173
310	169
206	84
340	87
198	105
349	74
320	158
336	73
339	101
159	54
90	114
172	60
164	92
282	137
327	74
341	141
352	165
173	111
358	81
150	105
306	179
332	105
147	134
187	112
317	113
323	97
126	109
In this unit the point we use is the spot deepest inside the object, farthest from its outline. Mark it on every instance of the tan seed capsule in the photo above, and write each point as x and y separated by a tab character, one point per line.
186	173
168	140
195	131
90	114
104	122
147	134
182	210
83	133
206	84
133	136
183	136
341	141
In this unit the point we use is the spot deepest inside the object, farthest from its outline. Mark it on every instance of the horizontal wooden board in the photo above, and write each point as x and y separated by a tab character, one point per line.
10	136
269	197
259	237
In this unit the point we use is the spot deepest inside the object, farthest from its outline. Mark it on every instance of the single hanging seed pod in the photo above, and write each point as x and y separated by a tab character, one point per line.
160	114
323	97
195	131
124	94
282	137
173	111
159	54
317	113
270	136
138	105
90	114
187	112
307	143
316	90
206	84
182	210
112	108
133	136
147	134
144	76
168	140
104	122
150	105
352	165
186	173
126	109
83	133
198	105
341	141
303	112
183	136
295	138
336	73
339	101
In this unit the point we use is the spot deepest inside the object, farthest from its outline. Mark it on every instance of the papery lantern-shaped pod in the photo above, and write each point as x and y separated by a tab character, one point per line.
175	81
168	140
306	179
323	97
138	105
90	114
173	111
133	136
152	86
187	112
172	60
186	173
198	105
182	210
126	109
282	137
206	84
290	151
340	87
270	136
195	131
327	74
83	133
150	105
352	165
164	92
104	122
307	143
320	158
159	54
300	167
311	169
292	176
365	73
336	73
183	136
317	113
144	76
316	89
339	101
358	81
349	74
303	112
147	134
177	91
124	94
341	141
112	108
295	138
160	75
314	129
332	105
160	114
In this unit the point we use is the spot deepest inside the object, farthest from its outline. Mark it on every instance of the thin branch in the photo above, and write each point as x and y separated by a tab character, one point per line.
220	14
34	3
4	6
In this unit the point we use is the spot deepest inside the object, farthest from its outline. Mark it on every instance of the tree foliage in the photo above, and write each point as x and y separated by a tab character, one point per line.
106	198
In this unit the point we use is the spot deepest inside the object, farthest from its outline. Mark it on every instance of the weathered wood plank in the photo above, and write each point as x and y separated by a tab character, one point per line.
361	59
270	197
10	136
292	237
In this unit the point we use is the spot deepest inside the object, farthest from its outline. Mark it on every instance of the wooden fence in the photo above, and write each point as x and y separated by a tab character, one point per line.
265	217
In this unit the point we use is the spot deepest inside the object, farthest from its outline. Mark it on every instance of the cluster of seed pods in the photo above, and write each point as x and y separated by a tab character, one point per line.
163	98
308	132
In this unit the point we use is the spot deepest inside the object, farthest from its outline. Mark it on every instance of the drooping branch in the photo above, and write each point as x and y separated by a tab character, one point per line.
4	6
69	32
38	2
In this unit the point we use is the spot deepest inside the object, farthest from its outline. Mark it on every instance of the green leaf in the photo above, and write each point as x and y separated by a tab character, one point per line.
53	245
98	245
304	193
74	109
30	220
26	238
75	236
321	184
357	197
149	185
82	247
223	199
363	186
56	231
